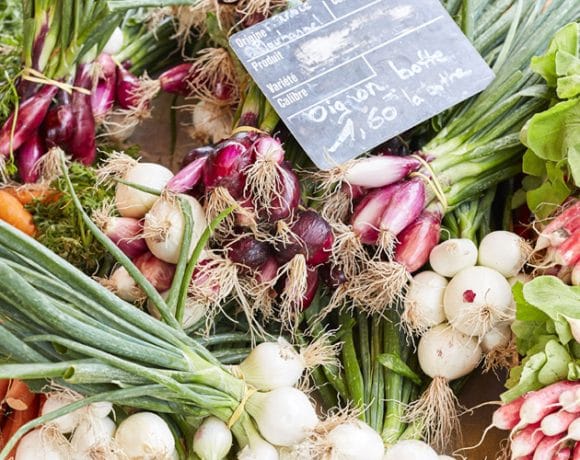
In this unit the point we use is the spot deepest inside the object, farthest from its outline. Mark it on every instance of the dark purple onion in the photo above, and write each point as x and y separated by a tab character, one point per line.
332	275
27	158
127	86
103	95
249	252
82	144
58	125
31	114
288	196
312	237
268	271
196	153
176	79
225	168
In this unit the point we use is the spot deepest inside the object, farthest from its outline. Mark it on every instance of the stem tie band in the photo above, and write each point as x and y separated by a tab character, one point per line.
38	77
432	181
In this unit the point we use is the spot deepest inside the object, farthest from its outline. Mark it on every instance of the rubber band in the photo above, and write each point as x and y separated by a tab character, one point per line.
248	393
37	77
432	181
245	129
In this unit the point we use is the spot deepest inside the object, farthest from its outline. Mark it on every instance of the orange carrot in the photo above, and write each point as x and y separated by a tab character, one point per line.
27	193
13	212
14	421
18	396
3	389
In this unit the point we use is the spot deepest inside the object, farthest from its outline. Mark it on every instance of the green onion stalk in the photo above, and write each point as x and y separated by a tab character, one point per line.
59	326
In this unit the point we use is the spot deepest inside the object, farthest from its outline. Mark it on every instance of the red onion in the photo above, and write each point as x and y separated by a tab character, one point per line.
367	214
125	232
82	144
225	168
249	252
312	283
31	113
175	80
268	148
378	171
196	153
288	198
127	87
332	275
310	236
158	273
59	125
417	241
268	271
405	205
188	177
103	95
28	156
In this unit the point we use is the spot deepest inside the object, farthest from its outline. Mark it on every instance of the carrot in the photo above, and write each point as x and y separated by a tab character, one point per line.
14	421
26	194
13	212
18	396
3	389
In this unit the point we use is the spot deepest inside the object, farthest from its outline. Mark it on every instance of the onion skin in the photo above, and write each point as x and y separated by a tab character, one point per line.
225	168
312	283
125	232
268	271
249	252
332	276
103	95
31	114
404	207
417	241
379	171
188	177
176	79
196	153
28	156
312	237
126	89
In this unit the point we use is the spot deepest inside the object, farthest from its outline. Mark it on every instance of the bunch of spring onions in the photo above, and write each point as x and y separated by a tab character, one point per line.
59	324
393	206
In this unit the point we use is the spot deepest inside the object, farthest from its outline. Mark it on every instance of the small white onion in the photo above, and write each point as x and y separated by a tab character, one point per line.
211	122
452	256
498	337
285	416
273	365
145	436
115	42
446	352
122	283
212	440
258	451
503	251
42	445
131	202
100	409
67	423
355	440
424	301
164	227
411	450
477	299
92	434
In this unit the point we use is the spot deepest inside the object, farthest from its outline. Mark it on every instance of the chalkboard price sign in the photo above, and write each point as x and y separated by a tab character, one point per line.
347	75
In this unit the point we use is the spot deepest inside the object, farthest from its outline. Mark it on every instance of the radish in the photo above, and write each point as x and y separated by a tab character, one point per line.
424	301
164	226
576	275
547	448
355	440
444	354
505	252
42	444
570	400
285	416
145	435
563	454
476	300
574	430
212	440
540	403
410	450
557	423
129	201
507	417
525	441
556	231
452	256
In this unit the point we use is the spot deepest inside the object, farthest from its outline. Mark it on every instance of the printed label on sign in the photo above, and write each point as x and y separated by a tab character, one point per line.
347	75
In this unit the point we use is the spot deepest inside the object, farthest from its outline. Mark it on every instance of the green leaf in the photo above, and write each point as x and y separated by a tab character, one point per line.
567	64
533	164
574	162
553	297
550	194
398	366
528	380
524	310
550	133
563	330
556	367
568	87
566	39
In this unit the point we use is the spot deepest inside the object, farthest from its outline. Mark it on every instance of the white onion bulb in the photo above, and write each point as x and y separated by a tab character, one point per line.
92	435
504	251
452	256
411	450
212	440
41	444
355	440
66	423
145	436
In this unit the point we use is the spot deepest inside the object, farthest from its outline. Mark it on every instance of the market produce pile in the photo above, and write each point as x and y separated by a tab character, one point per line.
248	305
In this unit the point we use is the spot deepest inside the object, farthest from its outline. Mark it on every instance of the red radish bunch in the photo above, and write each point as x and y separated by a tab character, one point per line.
544	424
559	241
